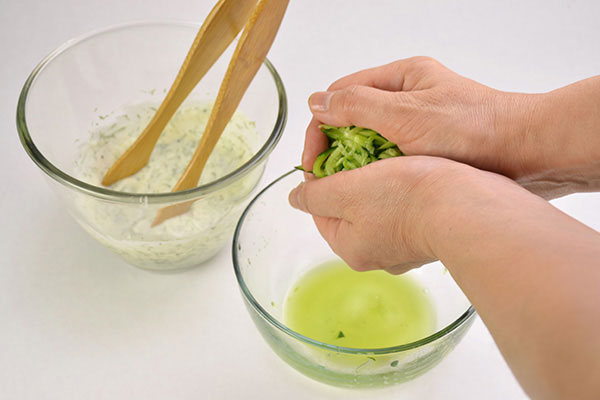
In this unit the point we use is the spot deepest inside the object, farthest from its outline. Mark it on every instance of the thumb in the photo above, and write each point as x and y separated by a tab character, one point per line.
362	106
325	197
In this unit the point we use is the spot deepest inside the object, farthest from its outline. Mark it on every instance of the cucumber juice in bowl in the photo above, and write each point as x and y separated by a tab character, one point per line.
316	313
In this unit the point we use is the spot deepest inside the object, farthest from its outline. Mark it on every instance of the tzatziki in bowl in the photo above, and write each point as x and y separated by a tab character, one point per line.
86	102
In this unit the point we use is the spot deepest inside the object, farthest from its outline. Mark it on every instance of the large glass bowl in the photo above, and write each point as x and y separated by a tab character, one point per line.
85	83
274	245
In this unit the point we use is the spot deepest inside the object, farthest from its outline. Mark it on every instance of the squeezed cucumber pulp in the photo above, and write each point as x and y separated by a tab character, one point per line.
336	305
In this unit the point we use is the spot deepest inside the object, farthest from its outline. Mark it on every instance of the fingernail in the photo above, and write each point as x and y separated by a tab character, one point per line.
294	197
319	101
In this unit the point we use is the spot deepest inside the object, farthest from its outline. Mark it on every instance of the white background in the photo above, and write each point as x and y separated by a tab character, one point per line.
76	322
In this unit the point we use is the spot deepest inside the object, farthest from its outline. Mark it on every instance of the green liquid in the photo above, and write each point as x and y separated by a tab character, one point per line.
336	305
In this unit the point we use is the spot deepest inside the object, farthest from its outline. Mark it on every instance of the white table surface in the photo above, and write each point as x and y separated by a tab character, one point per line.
76	322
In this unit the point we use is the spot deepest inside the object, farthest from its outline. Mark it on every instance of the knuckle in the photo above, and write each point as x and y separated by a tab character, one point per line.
349	98
357	257
332	237
343	243
401	102
424	61
423	64
305	197
358	262
347	198
337	84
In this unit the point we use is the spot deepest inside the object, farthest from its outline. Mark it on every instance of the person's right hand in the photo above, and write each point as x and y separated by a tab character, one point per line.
426	109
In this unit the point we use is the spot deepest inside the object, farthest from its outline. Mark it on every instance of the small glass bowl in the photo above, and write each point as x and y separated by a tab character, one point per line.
91	79
274	245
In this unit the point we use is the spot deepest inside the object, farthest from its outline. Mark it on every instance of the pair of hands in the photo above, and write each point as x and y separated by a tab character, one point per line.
470	192
453	130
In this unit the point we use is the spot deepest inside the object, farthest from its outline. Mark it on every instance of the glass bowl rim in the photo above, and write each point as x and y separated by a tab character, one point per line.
461	320
148	198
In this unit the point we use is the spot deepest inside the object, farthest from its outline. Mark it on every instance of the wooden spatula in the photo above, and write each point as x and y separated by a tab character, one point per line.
255	42
219	29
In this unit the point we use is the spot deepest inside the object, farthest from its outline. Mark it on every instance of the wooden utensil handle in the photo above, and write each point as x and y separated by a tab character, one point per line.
216	33
255	42
222	25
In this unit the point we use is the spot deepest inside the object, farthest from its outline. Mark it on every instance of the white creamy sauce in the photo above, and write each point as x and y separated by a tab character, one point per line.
185	240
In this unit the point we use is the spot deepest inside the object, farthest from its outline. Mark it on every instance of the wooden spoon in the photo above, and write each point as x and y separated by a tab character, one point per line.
255	42
216	33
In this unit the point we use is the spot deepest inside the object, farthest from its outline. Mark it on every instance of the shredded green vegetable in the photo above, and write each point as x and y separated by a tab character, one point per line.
351	147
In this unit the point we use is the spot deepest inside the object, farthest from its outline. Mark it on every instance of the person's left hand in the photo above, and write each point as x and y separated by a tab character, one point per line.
386	215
